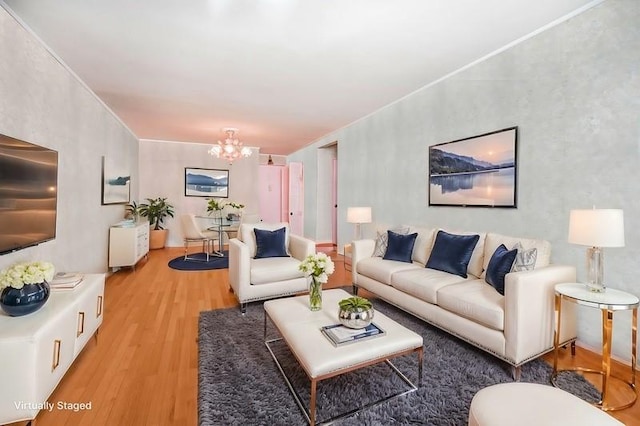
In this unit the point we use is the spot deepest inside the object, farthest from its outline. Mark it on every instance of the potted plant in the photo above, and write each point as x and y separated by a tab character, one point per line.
237	207
355	312
215	206
132	211
156	210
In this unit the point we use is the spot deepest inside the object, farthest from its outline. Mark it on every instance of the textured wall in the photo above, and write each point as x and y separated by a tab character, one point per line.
43	103
162	175
574	93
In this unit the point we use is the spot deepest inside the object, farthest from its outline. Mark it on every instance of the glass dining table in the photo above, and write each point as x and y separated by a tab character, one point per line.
221	226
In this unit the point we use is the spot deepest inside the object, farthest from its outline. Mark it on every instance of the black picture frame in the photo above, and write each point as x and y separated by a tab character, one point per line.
116	183
209	183
479	171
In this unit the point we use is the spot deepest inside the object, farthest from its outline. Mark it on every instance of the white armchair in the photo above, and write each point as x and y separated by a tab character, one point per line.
266	278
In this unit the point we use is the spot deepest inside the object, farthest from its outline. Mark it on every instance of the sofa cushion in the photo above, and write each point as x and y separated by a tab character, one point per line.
247	236
381	270
399	247
452	253
500	265
274	269
476	264
270	243
423	283
383	238
424	243
543	248
475	300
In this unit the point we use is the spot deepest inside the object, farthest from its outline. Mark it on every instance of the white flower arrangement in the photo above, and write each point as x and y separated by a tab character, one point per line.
20	274
319	266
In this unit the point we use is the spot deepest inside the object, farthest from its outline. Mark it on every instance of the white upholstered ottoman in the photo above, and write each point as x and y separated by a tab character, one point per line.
525	404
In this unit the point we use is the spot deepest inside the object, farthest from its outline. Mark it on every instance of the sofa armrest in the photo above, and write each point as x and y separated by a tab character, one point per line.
360	249
529	311
239	267
301	247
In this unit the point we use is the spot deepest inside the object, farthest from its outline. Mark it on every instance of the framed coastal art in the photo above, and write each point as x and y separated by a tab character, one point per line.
206	182
479	171
116	182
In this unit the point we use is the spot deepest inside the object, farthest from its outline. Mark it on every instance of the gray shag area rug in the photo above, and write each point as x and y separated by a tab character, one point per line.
239	383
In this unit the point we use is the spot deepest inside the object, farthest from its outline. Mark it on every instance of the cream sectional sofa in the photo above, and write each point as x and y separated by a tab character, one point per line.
516	327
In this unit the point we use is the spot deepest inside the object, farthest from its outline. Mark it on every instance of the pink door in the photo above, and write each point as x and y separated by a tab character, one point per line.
296	199
270	193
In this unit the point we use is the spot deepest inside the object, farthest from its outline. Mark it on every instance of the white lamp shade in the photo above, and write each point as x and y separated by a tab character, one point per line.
359	214
597	228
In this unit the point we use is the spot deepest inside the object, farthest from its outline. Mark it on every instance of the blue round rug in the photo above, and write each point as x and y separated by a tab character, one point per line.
198	262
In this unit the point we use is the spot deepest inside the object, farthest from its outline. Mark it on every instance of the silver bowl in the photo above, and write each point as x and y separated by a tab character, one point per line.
359	319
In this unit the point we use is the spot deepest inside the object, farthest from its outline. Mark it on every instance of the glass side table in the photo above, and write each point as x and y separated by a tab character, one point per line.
608	302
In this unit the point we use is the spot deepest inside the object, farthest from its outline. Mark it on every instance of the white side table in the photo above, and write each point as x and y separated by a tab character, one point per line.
608	302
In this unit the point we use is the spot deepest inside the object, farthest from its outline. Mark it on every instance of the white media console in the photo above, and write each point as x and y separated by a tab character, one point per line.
38	349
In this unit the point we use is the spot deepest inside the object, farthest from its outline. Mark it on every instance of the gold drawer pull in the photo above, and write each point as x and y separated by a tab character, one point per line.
80	324
56	354
99	307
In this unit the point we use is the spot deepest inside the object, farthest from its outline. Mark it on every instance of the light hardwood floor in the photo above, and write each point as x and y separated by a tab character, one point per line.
143	369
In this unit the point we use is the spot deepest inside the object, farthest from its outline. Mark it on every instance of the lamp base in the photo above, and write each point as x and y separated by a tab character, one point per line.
596	289
595	270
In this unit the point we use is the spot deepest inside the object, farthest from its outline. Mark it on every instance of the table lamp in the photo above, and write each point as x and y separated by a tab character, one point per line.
596	228
358	215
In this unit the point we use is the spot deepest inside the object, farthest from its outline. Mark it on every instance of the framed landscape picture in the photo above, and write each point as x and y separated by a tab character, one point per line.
206	182
116	183
479	171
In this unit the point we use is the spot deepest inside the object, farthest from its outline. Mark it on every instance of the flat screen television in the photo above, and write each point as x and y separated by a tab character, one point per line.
28	194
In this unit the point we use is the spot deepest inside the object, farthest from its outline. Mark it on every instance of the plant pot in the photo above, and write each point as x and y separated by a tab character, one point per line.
22	301
355	319
157	238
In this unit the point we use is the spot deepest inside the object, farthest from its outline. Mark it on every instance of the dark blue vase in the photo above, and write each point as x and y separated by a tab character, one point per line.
22	301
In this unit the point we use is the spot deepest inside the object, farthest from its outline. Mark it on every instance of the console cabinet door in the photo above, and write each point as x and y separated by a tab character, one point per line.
89	312
55	351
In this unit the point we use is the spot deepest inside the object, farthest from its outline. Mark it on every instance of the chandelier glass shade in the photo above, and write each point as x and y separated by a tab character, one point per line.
231	148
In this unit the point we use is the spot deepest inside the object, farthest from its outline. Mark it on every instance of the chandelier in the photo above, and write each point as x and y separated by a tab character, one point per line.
231	148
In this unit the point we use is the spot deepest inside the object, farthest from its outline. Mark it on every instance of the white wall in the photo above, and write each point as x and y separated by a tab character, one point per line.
162	165
43	103
572	90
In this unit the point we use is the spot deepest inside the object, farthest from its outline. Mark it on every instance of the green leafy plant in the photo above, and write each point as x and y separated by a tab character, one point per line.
235	205
156	210
355	304
214	205
132	209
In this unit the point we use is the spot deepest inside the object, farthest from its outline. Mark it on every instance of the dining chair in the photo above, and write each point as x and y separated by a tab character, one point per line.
192	233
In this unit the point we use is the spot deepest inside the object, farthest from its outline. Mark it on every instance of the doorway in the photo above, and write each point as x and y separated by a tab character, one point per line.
327	196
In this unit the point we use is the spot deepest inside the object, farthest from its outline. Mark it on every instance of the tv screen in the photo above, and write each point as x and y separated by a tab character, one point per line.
28	194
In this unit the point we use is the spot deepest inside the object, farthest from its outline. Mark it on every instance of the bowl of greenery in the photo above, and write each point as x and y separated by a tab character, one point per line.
355	312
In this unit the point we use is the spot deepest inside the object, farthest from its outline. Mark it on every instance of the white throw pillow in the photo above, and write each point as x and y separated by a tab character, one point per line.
525	259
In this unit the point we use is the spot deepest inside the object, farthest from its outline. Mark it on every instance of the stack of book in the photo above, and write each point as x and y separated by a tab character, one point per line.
66	281
340	335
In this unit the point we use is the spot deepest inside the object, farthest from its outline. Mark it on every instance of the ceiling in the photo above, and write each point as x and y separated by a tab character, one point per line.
285	72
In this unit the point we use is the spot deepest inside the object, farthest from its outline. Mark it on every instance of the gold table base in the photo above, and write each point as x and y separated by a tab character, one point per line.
605	372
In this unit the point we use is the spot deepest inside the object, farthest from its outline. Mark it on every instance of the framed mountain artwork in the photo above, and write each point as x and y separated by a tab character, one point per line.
480	171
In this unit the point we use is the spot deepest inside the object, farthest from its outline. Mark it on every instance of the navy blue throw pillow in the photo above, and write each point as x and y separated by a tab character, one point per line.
499	266
452	253
270	243
399	246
